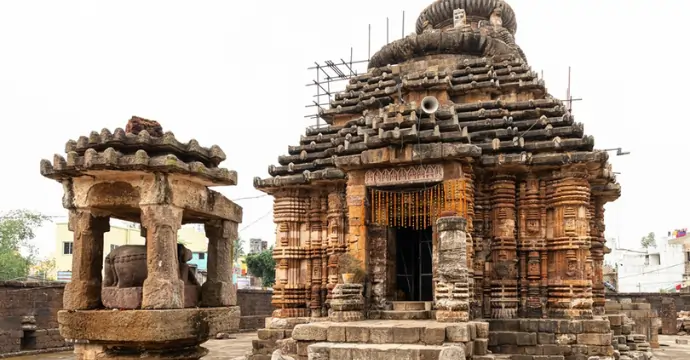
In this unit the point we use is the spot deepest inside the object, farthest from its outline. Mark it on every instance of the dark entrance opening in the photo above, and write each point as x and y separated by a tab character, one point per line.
28	341
413	264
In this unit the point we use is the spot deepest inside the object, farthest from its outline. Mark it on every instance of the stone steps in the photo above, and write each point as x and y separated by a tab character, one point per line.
336	351
405	315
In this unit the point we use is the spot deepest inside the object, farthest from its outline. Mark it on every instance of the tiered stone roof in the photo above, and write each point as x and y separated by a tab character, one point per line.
462	62
140	151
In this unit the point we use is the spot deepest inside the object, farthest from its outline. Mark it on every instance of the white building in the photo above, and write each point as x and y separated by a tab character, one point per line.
655	269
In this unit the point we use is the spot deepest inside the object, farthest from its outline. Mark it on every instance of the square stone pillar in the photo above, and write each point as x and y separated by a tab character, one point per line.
451	293
218	290
163	288
84	291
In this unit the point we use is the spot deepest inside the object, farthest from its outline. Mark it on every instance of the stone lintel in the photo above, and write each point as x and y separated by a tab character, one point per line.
121	194
147	326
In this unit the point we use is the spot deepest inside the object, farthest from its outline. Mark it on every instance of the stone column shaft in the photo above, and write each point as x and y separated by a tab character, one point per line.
568	245
84	291
163	288
451	278
532	234
218	290
504	284
290	291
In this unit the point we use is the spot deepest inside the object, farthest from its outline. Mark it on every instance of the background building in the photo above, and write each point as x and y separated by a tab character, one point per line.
257	246
655	269
124	234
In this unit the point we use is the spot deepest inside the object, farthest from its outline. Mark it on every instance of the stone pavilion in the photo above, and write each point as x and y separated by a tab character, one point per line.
145	302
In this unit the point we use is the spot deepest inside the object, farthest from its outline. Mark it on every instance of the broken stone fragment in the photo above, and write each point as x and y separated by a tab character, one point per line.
136	124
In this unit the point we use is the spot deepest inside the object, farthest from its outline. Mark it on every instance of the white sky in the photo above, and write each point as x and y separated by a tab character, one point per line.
232	73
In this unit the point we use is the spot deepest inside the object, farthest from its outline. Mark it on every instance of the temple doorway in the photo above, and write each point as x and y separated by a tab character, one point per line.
413	264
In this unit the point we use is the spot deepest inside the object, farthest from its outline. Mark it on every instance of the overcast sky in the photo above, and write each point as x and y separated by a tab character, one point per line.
232	73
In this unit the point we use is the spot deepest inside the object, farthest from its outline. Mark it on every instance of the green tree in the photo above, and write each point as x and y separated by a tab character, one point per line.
17	252
648	241
44	268
239	250
262	265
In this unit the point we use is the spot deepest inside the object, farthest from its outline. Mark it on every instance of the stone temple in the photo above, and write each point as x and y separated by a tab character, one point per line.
472	197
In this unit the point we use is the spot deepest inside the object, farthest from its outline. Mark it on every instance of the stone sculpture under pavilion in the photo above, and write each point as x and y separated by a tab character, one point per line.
145	176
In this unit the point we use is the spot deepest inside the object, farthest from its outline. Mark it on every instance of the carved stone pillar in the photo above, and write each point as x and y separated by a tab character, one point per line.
316	250
84	291
356	212
218	289
504	291
532	235
162	288
336	238
290	291
597	228
482	249
568	244
468	198
451	292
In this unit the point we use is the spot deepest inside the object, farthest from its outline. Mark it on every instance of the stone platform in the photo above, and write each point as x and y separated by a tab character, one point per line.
129	334
374	339
124	326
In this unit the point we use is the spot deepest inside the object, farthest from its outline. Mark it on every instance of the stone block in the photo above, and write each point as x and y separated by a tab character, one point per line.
357	334
481	346
406	335
566	339
547	326
526	339
594	339
502	338
318	351
546	338
310	332
469	348
472	328
380	335
529	325
550	349
600	350
336	333
302	347
458	333
344	353
596	326
482	329
504	324
615	319
568	327
451	353
271	334
433	335
287	346
522	357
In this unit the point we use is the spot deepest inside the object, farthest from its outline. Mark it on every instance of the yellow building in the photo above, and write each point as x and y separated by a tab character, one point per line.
192	237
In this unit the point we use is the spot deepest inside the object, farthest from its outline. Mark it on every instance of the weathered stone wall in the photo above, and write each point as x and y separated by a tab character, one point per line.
665	305
255	307
30	305
646	321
